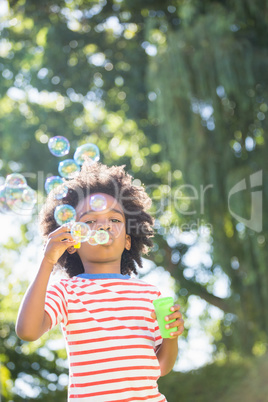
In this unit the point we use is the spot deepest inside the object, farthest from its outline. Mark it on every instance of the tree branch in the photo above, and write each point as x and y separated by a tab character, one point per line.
196	289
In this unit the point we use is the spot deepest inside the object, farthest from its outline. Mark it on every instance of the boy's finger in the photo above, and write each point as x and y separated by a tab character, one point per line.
173	316
62	237
175	307
62	229
177	333
177	323
153	315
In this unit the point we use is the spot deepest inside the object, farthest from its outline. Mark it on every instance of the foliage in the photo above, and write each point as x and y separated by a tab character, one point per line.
212	123
31	371
235	380
175	90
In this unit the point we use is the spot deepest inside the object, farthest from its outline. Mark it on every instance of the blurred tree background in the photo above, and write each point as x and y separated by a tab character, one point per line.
177	91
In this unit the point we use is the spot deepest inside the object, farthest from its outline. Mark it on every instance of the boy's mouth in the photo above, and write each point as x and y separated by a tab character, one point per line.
109	241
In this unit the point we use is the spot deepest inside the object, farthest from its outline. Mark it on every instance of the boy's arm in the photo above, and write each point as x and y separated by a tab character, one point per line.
168	351
33	321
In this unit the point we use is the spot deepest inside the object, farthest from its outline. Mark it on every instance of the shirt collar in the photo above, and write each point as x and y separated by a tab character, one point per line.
103	276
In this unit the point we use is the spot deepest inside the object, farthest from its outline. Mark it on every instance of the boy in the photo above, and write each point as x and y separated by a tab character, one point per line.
113	342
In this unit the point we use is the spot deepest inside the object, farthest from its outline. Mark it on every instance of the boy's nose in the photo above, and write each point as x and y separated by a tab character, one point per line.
103	225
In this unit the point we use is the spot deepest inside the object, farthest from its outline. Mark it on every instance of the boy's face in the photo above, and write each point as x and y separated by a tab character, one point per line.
112	220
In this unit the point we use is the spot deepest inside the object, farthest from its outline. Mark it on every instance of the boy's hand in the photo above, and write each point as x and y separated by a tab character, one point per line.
57	242
177	316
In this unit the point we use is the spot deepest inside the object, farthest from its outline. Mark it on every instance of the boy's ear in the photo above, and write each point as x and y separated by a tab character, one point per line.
128	242
71	250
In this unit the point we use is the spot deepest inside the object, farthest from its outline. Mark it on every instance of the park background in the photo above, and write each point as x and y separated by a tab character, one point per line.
177	91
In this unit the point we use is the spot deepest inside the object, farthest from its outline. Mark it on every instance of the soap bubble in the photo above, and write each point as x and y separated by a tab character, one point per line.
60	192
3	203
87	152
101	237
15	180
52	182
55	183
20	199
98	202
59	146
14	196
80	232
91	239
64	213
69	169
29	197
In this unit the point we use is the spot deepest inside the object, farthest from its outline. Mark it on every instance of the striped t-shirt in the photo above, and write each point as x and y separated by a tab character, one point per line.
110	336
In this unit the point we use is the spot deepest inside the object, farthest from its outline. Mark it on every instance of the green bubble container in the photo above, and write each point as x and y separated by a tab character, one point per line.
162	309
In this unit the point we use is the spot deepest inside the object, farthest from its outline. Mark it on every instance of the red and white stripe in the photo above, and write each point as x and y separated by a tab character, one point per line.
111	338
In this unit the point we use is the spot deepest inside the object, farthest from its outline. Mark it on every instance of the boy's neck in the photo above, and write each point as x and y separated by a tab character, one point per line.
102	268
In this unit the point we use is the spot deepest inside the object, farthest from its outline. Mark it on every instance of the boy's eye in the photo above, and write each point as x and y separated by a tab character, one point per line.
114	220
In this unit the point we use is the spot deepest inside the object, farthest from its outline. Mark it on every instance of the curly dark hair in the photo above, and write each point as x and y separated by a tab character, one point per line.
99	178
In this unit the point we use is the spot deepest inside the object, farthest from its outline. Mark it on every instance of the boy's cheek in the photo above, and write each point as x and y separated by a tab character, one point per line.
85	249
118	230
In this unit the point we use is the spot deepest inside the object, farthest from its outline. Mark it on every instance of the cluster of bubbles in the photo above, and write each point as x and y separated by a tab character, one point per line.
80	231
16	195
68	169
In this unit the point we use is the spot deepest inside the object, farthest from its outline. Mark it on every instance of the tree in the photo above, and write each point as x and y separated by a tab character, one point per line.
209	80
28	371
53	84
151	83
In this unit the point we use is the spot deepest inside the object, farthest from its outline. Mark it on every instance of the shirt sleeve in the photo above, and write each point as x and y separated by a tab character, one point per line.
56	304
157	336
